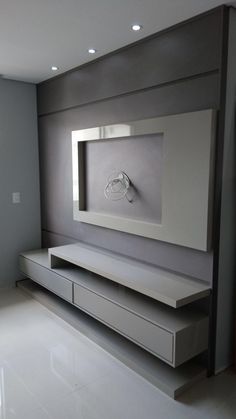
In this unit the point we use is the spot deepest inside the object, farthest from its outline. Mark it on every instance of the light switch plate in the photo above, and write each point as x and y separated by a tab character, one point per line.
16	198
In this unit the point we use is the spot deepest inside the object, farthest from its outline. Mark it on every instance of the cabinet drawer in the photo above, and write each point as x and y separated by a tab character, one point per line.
146	334
48	279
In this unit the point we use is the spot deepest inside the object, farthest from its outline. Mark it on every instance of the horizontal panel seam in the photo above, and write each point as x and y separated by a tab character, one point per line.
131	92
44	230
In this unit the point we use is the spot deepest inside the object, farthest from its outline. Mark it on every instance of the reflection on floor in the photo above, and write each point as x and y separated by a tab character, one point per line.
49	370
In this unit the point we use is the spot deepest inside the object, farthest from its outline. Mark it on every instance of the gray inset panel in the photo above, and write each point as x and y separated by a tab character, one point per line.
141	159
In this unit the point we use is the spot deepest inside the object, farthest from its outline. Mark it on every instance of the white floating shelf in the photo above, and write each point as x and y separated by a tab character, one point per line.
167	287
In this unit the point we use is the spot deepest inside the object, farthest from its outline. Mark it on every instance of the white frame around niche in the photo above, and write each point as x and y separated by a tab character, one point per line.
187	177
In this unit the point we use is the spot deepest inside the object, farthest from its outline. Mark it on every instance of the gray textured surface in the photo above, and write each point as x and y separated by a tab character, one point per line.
19	223
141	159
225	341
56	172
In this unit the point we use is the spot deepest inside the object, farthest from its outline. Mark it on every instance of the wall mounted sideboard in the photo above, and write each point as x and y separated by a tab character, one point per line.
149	306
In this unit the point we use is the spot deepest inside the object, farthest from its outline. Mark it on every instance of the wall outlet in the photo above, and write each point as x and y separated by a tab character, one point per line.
16	198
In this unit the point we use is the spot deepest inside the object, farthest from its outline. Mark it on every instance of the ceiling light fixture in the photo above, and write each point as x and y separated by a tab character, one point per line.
136	27
54	68
92	50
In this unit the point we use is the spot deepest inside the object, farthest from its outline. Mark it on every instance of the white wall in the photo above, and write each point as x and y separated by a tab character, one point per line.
19	172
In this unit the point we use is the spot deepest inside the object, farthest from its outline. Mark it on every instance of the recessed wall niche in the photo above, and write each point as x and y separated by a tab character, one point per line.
141	158
149	177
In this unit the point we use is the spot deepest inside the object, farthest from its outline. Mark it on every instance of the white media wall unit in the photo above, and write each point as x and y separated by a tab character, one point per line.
152	178
154	308
110	120
163	165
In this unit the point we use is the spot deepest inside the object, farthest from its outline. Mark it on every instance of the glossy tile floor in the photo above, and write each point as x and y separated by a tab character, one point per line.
49	370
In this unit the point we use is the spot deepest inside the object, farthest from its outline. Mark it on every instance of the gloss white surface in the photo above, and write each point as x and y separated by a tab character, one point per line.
49	370
178	209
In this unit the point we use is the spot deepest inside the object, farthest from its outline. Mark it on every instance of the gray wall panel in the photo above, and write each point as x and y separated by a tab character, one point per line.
182	51
50	239
104	158
185	96
56	171
225	341
19	172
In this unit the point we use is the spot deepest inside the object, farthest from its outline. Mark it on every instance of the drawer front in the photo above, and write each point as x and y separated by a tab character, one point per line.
47	278
146	334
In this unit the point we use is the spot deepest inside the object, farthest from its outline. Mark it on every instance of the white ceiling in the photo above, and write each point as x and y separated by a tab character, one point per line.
36	34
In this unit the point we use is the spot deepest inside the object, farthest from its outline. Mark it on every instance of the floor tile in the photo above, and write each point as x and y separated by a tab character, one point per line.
15	399
48	370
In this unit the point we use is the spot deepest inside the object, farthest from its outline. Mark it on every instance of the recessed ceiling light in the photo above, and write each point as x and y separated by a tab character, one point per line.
54	68
92	50
136	27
